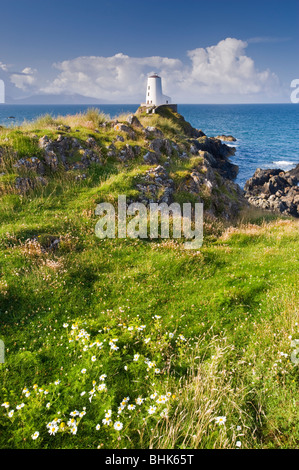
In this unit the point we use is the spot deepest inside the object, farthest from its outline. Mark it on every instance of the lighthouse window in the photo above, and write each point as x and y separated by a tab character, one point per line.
148	87
148	94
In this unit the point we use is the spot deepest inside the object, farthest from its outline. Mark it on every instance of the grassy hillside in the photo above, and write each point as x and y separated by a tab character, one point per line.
139	343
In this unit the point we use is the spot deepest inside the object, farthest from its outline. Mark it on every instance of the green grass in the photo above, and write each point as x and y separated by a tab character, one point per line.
218	321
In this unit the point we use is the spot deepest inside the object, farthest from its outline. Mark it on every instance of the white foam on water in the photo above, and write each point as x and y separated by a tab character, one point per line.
284	164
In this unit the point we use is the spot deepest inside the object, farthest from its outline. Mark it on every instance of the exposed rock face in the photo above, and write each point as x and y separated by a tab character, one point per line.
151	132
156	186
161	146
219	155
226	138
134	121
127	153
64	150
31	163
126	129
24	184
151	158
276	190
208	181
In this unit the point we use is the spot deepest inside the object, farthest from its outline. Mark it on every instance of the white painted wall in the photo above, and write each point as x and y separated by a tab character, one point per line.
2	92
154	93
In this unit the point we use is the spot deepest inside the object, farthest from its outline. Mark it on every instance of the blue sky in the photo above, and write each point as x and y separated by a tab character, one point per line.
205	51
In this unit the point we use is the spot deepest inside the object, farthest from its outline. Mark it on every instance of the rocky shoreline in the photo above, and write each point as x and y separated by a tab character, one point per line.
275	190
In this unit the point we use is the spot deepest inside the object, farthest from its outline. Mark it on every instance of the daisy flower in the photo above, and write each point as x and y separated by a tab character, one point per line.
93	358
53	429
136	357
98	427
162	399
152	410
72	422
220	420
102	387
35	435
118	425
106	421
73	430
20	406
102	377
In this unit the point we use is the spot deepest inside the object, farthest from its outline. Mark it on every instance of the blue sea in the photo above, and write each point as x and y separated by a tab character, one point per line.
267	134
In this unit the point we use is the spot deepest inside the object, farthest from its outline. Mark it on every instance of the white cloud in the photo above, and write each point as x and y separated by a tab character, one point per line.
25	79
226	69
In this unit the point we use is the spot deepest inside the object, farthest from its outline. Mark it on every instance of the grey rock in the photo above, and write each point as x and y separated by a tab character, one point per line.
134	121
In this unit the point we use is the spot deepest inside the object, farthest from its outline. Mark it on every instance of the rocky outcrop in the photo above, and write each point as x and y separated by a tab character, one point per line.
274	190
226	138
208	178
128	152
219	155
156	186
69	152
31	163
151	132
128	131
134	121
25	184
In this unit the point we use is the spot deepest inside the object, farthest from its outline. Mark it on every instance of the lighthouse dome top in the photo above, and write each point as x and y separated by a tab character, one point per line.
155	75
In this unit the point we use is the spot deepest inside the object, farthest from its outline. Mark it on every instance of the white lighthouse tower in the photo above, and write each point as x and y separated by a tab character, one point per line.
154	95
